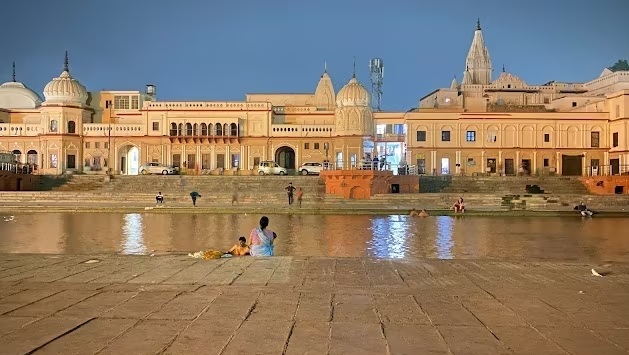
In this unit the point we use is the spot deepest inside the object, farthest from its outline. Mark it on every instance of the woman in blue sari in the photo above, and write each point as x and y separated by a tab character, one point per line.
261	239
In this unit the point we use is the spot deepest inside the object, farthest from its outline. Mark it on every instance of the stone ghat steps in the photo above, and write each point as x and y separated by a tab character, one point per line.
500	184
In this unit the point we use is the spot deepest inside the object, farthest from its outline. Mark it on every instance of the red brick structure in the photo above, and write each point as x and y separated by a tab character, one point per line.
362	184
607	185
18	182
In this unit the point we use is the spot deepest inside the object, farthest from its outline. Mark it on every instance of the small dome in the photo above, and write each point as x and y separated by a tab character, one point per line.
65	89
353	94
14	94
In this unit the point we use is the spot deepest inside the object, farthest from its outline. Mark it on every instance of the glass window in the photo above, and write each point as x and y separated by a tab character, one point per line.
471	136
156	126
421	136
445	136
121	102
316	146
135	102
595	139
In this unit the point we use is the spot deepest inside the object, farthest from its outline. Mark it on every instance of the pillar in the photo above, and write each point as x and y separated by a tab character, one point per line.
558	163
213	157
583	164
534	169
228	160
433	161
606	169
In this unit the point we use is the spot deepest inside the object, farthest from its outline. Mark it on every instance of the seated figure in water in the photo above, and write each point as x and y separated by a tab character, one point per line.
422	213
240	249
261	239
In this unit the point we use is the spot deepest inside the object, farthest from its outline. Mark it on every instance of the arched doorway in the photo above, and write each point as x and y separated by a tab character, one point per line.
129	160
285	157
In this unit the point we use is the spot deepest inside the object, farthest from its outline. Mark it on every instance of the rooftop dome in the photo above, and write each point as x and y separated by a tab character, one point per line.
506	77
353	94
14	94
65	89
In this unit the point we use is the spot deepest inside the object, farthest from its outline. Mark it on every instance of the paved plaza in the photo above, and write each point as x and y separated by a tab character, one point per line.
173	304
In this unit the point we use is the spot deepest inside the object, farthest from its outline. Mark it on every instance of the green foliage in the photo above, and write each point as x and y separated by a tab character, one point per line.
621	65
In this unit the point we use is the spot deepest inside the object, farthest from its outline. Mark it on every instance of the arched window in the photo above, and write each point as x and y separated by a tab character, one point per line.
173	129
203	129
219	129
188	129
196	129
180	129
18	155
71	127
31	157
225	129
234	130
210	129
53	126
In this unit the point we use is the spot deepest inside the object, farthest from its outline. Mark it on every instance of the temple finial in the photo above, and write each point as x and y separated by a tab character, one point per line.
325	66
503	68
13	71
478	24
354	70
65	63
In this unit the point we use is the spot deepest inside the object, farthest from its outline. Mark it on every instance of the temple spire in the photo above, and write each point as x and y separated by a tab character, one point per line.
478	62
13	71
478	25
65	63
354	70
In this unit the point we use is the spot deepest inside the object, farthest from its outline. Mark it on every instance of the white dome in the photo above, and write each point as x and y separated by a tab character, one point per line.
353	94
14	94
65	89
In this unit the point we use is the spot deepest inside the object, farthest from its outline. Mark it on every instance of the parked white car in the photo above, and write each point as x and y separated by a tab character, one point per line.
271	168
310	168
156	168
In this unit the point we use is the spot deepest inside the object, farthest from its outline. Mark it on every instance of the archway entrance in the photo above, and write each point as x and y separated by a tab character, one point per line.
129	160
285	157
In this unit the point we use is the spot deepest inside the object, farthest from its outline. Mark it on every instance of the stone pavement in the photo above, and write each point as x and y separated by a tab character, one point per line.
172	304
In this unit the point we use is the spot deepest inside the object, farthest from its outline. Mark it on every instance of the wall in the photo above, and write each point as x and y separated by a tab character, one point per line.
356	184
606	185
9	181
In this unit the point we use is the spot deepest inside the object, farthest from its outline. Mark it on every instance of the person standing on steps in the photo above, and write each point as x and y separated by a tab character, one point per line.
300	194
194	195
290	189
159	198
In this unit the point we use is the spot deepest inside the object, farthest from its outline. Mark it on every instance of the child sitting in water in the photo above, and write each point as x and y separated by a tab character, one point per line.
240	249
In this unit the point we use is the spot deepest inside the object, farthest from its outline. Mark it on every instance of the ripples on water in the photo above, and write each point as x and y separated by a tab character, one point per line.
396	236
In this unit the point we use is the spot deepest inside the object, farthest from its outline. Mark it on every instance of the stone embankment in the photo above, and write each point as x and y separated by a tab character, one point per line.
266	193
114	304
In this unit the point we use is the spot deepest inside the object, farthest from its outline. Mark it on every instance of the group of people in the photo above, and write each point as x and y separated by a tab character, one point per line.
261	241
290	189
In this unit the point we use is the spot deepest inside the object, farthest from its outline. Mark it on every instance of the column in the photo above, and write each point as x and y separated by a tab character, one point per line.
433	161
483	163
583	163
606	169
534	162
228	160
457	163
213	157
184	155
249	160
198	165
558	163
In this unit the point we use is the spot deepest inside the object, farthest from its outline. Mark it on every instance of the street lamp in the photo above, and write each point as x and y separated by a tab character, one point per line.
326	146
109	105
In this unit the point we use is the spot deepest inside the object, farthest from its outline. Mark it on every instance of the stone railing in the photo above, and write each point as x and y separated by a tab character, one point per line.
20	129
518	108
295	130
117	129
205	106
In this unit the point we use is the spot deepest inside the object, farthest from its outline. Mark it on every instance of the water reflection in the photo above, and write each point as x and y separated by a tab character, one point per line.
330	235
444	242
389	236
133	238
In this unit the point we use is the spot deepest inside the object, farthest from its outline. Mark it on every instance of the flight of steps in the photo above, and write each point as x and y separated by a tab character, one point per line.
502	184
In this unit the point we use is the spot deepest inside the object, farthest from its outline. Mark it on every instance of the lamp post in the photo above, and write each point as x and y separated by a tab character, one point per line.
108	103
326	146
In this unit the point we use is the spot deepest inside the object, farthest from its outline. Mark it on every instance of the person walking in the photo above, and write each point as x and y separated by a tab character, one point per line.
194	195
290	189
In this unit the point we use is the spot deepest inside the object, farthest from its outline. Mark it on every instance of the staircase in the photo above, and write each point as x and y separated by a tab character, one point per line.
502	185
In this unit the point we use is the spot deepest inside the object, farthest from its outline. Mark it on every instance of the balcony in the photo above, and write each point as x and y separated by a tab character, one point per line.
206	106
390	137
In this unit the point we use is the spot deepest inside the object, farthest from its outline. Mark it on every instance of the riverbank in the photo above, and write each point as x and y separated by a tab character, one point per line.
173	304
347	208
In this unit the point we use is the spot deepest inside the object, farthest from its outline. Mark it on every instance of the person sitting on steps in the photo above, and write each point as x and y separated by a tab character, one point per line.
159	198
459	206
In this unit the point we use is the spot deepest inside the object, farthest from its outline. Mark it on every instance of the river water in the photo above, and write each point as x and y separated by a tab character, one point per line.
398	237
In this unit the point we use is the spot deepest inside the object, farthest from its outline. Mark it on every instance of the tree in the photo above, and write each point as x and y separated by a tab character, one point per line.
621	65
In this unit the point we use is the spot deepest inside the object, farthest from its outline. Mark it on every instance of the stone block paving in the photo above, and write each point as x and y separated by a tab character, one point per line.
173	304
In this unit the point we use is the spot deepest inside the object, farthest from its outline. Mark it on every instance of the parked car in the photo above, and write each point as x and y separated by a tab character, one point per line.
271	168
157	168
310	168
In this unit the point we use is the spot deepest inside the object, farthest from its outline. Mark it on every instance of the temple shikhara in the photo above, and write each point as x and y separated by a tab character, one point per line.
482	124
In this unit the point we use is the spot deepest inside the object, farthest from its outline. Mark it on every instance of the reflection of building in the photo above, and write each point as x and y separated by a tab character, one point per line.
479	125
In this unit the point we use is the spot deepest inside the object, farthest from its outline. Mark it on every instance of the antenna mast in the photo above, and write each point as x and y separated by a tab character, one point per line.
376	70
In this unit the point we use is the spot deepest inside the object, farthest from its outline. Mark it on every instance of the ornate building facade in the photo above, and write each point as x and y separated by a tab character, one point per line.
480	125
